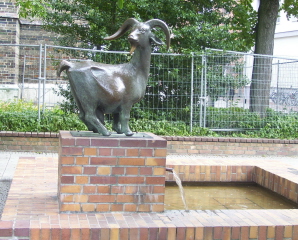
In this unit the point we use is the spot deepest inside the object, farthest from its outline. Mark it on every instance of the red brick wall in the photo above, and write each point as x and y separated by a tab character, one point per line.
111	174
29	142
212	173
231	146
48	142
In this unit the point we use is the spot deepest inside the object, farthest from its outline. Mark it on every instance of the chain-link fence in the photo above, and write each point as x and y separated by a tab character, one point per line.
245	91
169	89
223	91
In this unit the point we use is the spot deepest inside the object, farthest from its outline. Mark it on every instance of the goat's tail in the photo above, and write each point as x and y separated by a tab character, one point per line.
64	65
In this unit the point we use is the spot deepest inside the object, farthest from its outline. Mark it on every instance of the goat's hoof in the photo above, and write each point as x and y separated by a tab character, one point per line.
117	130
129	133
107	133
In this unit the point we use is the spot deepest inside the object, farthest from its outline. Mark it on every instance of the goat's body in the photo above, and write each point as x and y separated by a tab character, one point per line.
100	89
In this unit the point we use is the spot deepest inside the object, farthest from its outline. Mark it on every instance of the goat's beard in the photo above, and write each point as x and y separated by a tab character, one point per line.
133	48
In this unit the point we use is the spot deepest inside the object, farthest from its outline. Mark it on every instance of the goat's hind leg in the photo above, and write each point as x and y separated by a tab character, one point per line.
82	117
100	115
116	123
95	119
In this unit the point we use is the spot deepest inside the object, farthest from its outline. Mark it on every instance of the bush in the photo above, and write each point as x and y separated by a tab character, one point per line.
274	125
279	125
233	117
23	117
166	128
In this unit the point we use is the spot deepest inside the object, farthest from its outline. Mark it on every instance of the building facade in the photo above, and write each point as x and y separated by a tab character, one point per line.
286	36
15	31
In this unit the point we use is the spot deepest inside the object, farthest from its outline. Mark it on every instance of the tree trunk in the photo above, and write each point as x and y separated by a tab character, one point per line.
262	66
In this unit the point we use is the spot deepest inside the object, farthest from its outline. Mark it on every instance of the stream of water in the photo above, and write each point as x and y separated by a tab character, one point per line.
179	183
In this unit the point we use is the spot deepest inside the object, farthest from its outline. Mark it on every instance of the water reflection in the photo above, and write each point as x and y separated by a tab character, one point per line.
225	197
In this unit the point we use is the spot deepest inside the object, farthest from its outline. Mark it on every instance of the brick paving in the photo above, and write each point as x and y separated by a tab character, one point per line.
32	211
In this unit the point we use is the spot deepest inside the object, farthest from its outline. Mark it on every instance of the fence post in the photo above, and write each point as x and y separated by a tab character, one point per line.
39	79
191	91
277	87
23	77
44	78
203	92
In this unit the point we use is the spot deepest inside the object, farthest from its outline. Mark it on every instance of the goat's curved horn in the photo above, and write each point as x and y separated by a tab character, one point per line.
123	29
158	23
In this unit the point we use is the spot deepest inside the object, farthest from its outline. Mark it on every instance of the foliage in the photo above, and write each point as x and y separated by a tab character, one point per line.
34	8
291	7
68	104
195	24
274	125
17	106
224	73
280	125
167	128
22	117
232	118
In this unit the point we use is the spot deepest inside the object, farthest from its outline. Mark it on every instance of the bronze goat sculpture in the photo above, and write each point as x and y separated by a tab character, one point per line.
100	89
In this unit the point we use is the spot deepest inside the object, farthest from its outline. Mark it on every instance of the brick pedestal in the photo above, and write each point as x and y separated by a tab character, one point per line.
115	173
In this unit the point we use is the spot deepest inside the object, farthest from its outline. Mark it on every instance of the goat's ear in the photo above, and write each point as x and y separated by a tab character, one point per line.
156	40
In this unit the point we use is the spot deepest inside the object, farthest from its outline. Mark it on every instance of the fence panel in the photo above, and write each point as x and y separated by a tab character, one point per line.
23	70
227	80
168	93
20	66
229	83
284	86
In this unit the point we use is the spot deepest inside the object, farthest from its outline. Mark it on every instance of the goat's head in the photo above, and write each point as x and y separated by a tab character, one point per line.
141	34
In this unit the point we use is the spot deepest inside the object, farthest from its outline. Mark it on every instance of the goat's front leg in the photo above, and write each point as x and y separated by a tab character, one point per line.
124	118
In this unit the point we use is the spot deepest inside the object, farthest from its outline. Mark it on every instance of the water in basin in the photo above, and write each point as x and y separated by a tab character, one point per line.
228	196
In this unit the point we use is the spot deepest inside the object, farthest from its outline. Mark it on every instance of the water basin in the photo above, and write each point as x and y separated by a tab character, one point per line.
227	196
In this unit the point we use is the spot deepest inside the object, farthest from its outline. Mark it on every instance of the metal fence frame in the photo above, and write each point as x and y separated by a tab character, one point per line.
174	77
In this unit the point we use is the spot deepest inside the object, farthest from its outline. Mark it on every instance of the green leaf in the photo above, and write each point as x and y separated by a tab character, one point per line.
194	23
120	4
